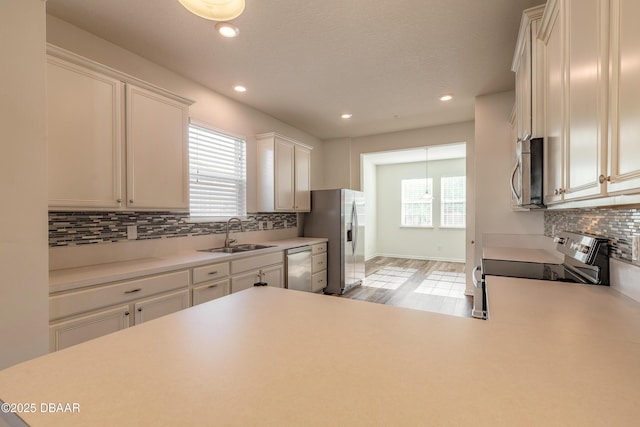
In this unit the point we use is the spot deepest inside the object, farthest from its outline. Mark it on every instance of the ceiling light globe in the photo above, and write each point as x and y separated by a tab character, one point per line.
227	30
346	116
215	10
446	98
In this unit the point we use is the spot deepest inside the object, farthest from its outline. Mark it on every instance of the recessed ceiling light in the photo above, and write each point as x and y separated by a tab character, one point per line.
240	88
446	98
346	116
227	29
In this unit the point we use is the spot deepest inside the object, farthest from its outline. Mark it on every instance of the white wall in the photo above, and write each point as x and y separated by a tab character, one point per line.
24	305
369	186
433	243
210	107
494	151
337	165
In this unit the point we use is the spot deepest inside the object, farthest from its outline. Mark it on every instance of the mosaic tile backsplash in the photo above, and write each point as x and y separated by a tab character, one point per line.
82	228
618	225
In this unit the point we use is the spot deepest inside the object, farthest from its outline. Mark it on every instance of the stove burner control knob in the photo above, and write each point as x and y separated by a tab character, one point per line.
560	240
585	249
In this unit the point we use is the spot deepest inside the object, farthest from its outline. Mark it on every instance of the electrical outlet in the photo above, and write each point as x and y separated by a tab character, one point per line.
264	225
132	232
635	247
553	230
286	223
269	225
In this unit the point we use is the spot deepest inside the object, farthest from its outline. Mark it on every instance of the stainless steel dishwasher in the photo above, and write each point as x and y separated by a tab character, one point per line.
298	266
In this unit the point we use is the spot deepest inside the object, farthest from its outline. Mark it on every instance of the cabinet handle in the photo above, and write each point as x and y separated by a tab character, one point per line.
130	200
140	309
126	313
212	286
119	200
133	291
555	192
213	272
602	179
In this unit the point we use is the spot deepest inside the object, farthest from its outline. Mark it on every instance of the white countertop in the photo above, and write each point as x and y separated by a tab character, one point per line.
521	254
74	278
597	311
277	357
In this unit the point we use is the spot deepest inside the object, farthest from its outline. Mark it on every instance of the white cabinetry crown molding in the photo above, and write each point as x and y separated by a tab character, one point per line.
72	57
548	17
286	138
528	15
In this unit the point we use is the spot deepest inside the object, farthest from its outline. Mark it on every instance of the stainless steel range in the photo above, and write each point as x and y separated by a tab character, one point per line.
586	261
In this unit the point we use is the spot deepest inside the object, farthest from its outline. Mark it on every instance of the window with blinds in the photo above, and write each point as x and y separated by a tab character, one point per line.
417	203
217	173
454	206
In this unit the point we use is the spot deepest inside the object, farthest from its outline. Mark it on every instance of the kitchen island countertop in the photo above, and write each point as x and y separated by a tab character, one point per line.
277	357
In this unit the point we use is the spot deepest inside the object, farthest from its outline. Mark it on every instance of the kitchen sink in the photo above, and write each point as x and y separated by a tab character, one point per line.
239	248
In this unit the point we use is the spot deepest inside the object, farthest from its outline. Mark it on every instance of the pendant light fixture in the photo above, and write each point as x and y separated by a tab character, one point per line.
215	10
427	193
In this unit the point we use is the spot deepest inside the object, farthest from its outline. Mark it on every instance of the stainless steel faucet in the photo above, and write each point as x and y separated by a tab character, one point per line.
227	241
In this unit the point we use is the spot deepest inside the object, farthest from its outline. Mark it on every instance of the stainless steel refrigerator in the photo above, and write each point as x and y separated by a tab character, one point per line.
338	215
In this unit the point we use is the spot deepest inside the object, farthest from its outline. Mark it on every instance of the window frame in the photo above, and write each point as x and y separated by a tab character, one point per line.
403	203
239	166
444	202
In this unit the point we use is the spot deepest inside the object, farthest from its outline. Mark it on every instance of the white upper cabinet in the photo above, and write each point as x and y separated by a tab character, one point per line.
586	96
624	143
283	174
527	64
553	78
84	118
114	142
157	151
575	98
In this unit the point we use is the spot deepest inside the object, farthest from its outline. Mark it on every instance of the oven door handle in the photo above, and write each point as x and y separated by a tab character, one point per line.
476	283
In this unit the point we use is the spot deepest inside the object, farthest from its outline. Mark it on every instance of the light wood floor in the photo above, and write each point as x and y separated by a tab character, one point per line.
423	285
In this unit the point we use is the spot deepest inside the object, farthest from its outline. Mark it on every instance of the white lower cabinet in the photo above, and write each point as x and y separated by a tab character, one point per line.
210	291
87	313
268	268
159	306
71	332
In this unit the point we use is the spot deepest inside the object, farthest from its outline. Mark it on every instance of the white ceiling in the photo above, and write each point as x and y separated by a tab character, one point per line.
306	62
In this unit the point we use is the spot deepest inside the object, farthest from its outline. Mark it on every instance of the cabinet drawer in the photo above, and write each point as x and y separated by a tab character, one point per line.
255	262
104	296
318	281
318	248
210	272
210	291
319	262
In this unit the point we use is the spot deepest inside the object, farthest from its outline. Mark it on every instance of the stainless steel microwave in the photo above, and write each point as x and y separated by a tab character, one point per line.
527	177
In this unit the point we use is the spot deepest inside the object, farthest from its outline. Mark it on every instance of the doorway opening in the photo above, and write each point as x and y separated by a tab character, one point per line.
415	230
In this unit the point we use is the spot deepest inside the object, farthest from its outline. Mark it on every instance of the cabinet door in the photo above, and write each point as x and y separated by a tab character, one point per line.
157	151
624	145
273	275
586	54
284	175
523	91
84	119
210	291
153	308
302	182
245	281
554	137
71	332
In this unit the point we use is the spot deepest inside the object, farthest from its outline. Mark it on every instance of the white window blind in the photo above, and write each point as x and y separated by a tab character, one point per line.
417	202
454	204
217	173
